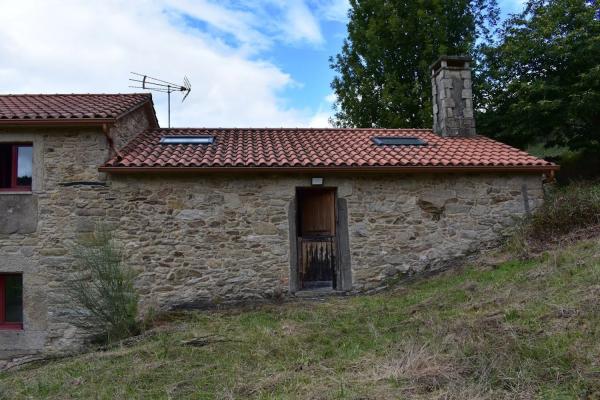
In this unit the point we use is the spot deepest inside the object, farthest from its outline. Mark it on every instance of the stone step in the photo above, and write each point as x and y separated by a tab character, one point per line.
319	293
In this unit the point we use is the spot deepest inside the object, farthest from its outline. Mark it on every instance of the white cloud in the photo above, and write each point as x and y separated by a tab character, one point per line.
299	23
321	118
333	10
331	98
241	24
257	23
73	46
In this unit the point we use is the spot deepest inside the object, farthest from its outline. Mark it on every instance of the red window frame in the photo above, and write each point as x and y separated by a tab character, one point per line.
15	169
16	326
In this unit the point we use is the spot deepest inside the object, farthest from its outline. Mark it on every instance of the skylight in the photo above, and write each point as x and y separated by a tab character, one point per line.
187	139
398	141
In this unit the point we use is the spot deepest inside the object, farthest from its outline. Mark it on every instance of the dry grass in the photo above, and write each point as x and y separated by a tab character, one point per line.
568	215
514	330
566	209
416	367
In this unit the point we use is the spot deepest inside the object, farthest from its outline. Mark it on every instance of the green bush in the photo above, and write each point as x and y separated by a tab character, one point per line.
564	210
103	289
578	166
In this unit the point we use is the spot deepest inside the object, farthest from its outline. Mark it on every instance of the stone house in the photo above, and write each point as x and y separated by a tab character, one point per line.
208	216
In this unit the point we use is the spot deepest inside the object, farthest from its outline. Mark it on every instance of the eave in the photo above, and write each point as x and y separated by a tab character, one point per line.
347	169
72	122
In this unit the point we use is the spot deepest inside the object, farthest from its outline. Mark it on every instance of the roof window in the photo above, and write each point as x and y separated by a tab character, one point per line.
398	141
187	139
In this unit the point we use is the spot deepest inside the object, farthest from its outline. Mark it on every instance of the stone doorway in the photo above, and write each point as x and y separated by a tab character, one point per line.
337	235
316	238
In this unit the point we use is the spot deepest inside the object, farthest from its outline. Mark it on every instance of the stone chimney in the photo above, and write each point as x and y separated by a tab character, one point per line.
452	97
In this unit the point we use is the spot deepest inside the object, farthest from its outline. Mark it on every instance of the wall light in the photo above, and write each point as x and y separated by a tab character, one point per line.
316	181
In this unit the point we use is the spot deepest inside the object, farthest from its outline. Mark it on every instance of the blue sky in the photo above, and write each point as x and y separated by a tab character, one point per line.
309	64
250	62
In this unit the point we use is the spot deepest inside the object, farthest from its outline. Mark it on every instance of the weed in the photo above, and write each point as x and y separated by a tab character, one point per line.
568	214
102	288
564	210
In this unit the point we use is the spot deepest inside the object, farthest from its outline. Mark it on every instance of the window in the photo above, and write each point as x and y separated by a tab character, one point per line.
187	139
16	163
11	301
398	141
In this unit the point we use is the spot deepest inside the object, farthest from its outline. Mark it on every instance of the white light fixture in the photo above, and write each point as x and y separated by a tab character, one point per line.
316	181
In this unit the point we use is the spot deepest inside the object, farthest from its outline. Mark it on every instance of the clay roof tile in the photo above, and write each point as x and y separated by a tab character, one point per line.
318	147
53	107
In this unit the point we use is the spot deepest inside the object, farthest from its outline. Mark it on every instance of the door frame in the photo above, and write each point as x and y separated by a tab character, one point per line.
305	193
343	267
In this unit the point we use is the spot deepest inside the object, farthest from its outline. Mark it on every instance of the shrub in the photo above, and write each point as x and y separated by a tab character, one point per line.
103	288
564	210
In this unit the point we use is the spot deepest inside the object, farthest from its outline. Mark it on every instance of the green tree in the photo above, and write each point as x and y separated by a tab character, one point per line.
383	69
543	81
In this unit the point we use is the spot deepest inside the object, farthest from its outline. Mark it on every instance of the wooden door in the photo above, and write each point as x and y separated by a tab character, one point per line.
316	238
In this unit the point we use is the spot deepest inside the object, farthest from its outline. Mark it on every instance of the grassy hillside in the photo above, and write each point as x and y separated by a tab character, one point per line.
511	330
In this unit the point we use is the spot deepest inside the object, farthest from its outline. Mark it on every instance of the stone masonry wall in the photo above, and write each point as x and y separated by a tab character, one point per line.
198	240
201	240
36	228
38	248
453	113
130	126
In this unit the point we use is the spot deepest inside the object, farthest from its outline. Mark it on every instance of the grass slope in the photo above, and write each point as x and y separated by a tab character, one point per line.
515	330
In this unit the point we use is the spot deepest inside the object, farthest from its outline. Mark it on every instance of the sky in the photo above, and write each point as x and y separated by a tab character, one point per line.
251	63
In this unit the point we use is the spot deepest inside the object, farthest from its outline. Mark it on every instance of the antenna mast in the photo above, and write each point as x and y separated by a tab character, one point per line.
158	85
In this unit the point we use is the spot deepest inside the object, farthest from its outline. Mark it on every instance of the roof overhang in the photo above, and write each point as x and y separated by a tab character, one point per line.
58	122
533	169
148	106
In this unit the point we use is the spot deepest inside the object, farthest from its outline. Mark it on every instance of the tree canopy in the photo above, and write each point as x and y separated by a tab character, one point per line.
383	68
536	78
542	83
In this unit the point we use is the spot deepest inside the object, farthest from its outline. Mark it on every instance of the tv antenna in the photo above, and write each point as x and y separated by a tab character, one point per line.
158	85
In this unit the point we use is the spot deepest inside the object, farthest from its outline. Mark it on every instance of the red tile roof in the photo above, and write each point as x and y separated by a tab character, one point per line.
317	148
50	108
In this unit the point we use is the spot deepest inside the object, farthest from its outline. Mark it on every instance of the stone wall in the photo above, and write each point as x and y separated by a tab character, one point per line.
451	87
198	240
416	224
201	240
35	246
128	127
37	228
